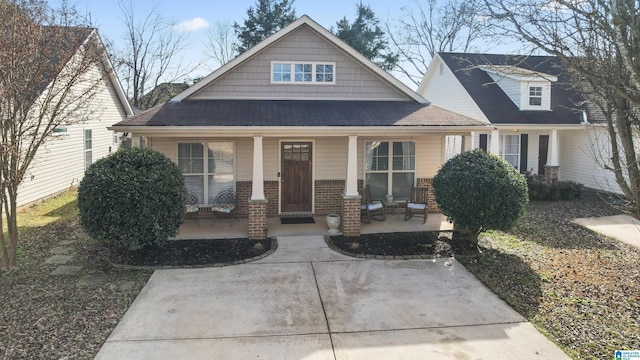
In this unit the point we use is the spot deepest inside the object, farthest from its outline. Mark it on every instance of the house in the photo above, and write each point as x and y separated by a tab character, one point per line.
61	162
537	122
299	124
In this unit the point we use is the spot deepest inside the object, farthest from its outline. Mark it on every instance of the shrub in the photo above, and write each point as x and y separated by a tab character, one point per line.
541	189
479	192
132	199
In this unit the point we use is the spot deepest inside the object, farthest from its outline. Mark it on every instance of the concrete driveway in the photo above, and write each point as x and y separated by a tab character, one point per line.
307	302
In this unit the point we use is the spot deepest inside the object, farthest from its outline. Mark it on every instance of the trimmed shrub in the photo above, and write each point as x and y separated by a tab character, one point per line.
541	189
479	192
132	199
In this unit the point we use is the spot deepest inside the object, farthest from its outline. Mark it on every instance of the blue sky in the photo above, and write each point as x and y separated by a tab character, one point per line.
199	16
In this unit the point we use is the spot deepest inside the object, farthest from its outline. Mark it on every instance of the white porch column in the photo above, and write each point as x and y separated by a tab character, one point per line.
495	142
257	187
351	184
553	148
474	140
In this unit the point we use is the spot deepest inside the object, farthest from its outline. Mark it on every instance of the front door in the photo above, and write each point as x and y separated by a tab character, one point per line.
543	150
296	178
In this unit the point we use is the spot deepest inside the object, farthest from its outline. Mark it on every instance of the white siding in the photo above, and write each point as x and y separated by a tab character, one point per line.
252	79
59	163
511	87
443	89
582	153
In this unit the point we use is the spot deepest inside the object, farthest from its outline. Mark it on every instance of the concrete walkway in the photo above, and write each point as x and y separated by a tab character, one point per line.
622	227
307	302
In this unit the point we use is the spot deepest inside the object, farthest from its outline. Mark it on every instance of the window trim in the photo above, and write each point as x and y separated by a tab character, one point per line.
502	149
293	73
390	156
534	89
84	146
205	166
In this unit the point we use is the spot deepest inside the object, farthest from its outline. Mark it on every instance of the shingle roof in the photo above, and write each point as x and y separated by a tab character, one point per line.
497	106
297	113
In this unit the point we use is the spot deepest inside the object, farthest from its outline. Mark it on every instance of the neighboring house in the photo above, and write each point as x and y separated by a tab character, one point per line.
537	123
61	162
299	124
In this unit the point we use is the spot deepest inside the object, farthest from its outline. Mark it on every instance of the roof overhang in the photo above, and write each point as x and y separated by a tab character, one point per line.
520	127
517	73
300	131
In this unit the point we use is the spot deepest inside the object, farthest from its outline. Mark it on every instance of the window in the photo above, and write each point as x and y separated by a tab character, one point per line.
390	169
207	173
88	148
302	72
452	146
59	130
535	95
510	149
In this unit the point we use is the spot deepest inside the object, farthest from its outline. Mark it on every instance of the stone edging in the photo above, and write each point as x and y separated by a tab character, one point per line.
327	239
274	246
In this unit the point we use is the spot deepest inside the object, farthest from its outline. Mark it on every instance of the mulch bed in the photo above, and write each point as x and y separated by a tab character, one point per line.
190	253
402	245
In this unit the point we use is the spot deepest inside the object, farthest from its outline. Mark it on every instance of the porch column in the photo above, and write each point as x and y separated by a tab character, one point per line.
551	168
495	142
257	201
351	197
474	140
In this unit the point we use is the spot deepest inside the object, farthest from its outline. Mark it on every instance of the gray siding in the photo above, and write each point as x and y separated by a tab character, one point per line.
252	79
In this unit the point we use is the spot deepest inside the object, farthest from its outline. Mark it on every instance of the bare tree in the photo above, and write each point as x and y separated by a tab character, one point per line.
221	39
49	75
597	42
432	26
150	55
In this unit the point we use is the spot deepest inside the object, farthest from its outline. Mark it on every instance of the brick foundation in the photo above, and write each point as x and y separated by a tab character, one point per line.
257	219
350	215
328	196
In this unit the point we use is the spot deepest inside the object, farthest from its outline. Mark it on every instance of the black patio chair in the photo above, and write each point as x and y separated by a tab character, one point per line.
192	207
417	206
369	209
225	204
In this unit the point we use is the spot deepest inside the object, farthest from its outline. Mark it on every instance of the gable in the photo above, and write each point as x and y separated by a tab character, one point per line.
441	87
252	78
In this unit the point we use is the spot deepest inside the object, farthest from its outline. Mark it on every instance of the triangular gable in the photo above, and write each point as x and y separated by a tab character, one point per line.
219	84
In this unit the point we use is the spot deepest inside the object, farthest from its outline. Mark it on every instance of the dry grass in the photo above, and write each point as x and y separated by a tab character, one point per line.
580	288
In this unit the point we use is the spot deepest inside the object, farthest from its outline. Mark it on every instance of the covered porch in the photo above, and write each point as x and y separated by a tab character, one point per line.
238	229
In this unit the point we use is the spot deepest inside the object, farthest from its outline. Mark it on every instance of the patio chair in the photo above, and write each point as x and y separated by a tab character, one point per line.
192	207
369	209
224	204
417	206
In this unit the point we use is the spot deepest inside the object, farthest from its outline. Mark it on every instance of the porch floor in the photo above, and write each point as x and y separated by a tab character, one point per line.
226	229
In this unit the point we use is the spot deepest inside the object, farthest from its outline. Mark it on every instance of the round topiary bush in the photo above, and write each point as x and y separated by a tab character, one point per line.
132	199
478	192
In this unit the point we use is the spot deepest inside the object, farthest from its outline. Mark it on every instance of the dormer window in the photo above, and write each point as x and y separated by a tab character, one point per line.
302	72
535	95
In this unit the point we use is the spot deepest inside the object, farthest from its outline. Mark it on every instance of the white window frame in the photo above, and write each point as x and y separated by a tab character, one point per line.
536	92
390	171
59	130
504	154
205	166
292	76
88	150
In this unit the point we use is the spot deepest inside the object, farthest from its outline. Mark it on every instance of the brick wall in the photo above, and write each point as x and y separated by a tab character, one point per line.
328	196
243	194
350	216
432	205
257	219
271	193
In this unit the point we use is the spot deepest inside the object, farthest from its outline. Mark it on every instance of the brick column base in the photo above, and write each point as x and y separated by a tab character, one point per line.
257	219
350	215
551	173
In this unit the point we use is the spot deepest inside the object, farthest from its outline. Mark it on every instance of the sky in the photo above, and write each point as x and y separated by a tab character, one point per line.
195	18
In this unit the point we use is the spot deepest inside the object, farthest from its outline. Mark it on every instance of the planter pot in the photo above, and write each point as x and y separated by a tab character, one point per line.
333	222
389	199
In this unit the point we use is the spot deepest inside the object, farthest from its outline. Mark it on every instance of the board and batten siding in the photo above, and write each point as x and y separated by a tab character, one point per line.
442	88
578	150
59	164
252	79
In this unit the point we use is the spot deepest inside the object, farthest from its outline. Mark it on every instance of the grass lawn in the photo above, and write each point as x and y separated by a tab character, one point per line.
56	317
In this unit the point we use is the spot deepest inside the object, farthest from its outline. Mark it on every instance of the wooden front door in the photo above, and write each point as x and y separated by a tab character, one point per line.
296	178
543	150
